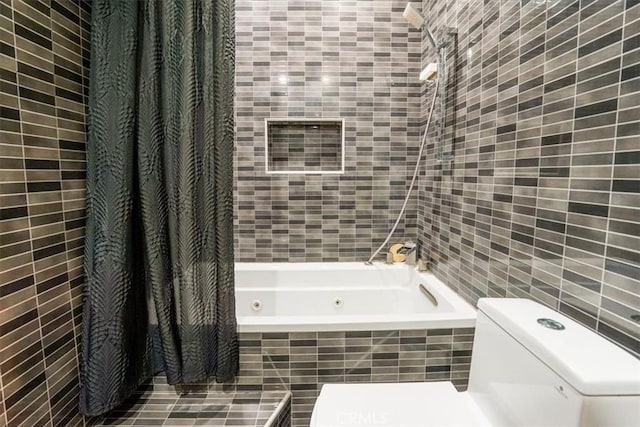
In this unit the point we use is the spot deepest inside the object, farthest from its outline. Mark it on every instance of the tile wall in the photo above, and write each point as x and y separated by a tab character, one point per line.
542	198
43	82
348	59
540	201
303	361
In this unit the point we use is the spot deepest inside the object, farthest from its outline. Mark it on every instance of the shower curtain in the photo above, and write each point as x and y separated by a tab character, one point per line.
159	290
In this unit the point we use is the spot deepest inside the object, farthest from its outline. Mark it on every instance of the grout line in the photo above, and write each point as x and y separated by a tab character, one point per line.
12	21
613	167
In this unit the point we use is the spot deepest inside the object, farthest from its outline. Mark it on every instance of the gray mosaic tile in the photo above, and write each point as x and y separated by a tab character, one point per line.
279	361
355	60
526	208
44	53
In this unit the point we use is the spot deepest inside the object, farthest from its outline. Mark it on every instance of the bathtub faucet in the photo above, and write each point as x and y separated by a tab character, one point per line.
410	251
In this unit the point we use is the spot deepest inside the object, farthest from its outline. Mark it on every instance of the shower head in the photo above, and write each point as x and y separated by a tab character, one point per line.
416	19
413	16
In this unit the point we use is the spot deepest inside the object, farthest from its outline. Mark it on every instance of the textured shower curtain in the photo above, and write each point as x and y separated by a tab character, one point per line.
159	238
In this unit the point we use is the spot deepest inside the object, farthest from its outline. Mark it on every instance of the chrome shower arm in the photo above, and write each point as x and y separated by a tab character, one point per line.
431	37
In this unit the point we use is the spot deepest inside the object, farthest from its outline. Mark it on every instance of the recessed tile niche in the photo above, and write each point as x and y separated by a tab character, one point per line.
304	146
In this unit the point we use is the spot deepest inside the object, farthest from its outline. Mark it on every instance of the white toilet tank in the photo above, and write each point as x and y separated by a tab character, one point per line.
525	373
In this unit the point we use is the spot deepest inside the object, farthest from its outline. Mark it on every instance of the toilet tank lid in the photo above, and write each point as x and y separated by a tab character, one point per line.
587	361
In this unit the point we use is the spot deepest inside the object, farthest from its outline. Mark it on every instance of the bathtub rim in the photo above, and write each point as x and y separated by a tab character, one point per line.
463	314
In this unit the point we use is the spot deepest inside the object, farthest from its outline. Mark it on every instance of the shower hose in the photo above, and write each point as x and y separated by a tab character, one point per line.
413	180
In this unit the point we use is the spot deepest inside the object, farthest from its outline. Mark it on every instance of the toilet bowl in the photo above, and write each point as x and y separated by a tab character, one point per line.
530	366
396	404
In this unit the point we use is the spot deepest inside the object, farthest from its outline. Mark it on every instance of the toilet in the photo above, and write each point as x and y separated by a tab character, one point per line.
530	366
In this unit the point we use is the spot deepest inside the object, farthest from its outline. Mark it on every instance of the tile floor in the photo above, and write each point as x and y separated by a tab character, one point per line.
212	408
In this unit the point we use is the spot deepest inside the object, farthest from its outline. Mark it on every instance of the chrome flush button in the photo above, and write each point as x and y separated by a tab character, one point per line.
551	324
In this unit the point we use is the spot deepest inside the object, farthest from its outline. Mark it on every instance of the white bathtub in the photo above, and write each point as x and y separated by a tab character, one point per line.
296	297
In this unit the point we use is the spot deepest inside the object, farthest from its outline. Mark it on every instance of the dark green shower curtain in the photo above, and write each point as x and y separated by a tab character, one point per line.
159	238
